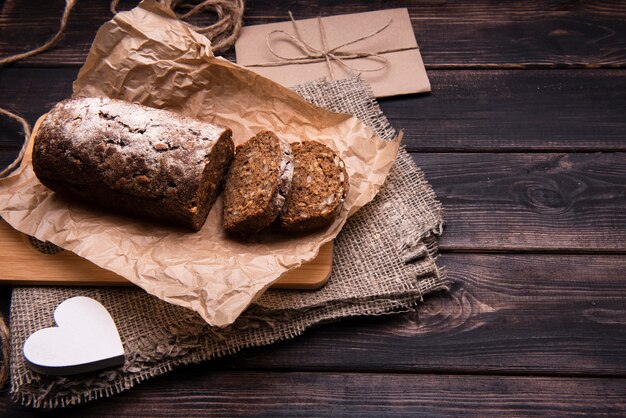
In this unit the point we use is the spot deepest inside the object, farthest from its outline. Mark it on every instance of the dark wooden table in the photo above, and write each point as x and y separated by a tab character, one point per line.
523	139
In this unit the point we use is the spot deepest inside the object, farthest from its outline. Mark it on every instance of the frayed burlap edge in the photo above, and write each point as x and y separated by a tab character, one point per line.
265	324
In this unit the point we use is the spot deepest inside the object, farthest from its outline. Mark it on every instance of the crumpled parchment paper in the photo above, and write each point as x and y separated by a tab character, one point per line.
148	56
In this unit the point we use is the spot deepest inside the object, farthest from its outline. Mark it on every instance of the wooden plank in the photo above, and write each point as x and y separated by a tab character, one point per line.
31	92
505	314
467	111
466	33
530	202
514	110
469	34
198	391
7	156
21	263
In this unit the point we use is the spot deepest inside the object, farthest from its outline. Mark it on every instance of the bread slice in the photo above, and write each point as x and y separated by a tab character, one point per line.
318	190
257	183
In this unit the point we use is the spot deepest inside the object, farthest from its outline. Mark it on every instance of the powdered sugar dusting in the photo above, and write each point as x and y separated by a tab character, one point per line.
159	143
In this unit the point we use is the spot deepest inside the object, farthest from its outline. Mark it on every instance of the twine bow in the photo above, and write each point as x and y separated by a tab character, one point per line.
312	54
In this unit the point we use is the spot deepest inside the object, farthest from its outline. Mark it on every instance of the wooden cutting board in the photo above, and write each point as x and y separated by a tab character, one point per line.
21	263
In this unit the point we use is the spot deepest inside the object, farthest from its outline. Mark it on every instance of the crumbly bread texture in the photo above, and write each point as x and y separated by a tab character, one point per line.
318	190
133	159
257	183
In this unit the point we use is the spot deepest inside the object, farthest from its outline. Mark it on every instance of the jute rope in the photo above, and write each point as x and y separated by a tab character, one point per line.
222	33
4	340
4	330
26	129
69	4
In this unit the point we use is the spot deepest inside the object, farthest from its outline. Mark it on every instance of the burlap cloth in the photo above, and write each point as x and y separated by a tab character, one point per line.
384	262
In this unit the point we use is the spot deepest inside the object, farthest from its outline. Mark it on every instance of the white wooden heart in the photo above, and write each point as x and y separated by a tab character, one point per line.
85	339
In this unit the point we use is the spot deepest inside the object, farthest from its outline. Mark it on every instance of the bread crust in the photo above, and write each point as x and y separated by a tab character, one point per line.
257	183
318	190
133	159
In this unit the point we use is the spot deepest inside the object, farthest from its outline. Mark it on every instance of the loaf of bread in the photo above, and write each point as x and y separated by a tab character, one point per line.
133	159
257	183
318	190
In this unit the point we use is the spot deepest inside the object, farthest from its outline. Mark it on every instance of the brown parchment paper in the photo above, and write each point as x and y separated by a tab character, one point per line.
147	56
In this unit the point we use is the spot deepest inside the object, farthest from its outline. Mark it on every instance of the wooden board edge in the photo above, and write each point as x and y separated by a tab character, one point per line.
69	269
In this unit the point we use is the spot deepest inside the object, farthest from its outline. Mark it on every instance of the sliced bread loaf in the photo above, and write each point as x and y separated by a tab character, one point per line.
318	190
257	183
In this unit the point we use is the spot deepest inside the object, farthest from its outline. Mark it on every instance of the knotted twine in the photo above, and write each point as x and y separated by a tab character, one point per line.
313	55
26	129
222	33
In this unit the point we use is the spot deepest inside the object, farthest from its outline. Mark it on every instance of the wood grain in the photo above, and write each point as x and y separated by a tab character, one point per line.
530	167
21	263
345	394
505	314
530	202
527	202
31	92
502	111
464	34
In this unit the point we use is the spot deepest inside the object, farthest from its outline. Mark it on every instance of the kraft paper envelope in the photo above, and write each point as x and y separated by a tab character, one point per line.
403	74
